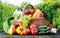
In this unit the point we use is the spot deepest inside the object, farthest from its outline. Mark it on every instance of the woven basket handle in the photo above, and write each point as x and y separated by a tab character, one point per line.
29	5
25	9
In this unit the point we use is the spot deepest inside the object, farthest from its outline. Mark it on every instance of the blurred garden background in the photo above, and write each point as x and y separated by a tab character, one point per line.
50	8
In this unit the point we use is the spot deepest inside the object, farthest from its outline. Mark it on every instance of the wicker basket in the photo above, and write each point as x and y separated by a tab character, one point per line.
38	21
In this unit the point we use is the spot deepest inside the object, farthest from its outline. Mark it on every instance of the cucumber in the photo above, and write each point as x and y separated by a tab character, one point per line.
42	33
42	27
43	30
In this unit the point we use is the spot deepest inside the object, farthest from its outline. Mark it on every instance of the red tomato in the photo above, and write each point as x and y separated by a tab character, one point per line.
34	31
50	26
32	12
26	31
27	12
33	26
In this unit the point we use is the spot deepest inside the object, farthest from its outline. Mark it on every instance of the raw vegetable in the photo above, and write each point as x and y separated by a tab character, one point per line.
42	27
50	32
26	20
20	29
42	33
30	11
11	30
50	26
34	31
26	31
40	14
6	24
5	12
36	13
33	26
54	30
49	8
17	13
42	30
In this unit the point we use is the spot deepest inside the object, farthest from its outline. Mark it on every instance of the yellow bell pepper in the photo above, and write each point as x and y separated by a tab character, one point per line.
20	29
